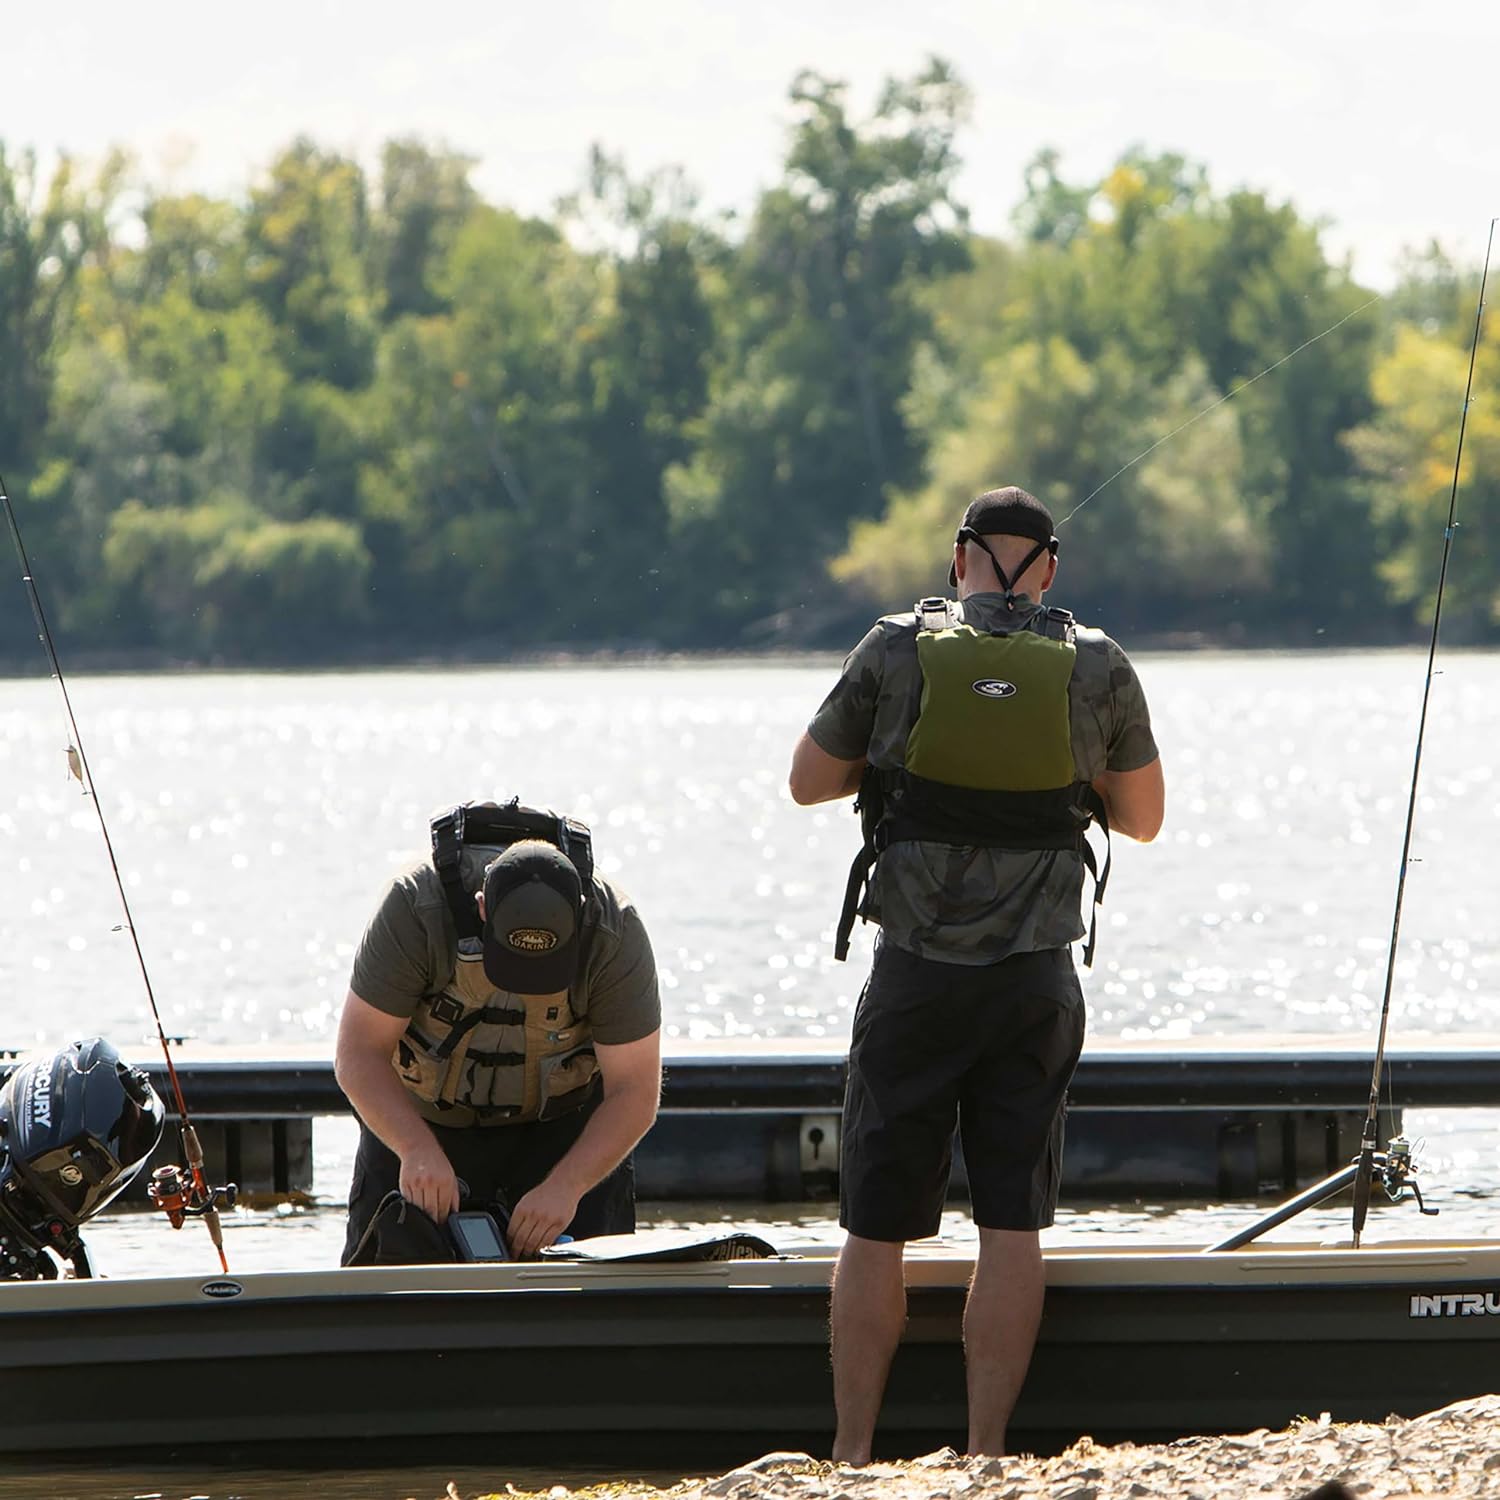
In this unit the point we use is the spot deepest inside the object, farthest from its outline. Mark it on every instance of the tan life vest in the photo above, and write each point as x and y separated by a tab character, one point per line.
508	1058
491	1057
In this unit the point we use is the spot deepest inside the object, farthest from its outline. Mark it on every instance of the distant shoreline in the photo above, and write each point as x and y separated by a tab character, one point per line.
14	666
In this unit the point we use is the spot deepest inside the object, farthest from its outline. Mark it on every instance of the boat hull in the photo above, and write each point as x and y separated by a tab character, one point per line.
721	1361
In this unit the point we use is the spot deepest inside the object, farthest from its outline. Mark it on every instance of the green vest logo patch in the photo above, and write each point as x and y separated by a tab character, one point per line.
531	939
994	687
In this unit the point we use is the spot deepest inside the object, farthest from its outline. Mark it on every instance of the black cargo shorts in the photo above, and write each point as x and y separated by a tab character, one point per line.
990	1049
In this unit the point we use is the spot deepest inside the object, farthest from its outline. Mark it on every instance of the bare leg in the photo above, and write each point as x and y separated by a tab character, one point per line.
867	1318
1000	1324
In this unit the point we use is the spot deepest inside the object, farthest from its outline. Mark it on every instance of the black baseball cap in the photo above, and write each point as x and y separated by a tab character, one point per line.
533	904
1006	512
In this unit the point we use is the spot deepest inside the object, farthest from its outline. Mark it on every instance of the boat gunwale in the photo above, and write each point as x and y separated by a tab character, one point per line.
1069	1267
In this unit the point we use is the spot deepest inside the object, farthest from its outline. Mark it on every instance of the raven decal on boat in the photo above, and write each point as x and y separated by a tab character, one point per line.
221	1289
1455	1304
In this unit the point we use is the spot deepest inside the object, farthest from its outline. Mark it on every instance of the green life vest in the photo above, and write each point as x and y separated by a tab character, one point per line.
994	713
989	760
489	1056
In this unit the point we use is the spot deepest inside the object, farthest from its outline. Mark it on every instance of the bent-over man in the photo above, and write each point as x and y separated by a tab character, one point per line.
503	1030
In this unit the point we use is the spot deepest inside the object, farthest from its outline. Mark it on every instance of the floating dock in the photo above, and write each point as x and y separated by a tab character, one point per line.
761	1124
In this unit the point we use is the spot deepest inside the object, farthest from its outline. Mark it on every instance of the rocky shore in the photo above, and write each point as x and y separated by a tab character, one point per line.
1453	1454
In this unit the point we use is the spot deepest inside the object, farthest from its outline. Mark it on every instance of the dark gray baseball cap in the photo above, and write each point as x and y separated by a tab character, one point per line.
533	902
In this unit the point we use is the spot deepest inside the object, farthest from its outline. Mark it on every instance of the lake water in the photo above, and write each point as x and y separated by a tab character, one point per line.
255	816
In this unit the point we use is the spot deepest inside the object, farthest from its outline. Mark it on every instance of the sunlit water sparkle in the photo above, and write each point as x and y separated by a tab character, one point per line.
255	817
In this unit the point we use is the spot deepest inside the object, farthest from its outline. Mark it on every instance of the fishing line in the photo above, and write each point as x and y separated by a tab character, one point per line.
1369	1134
192	1149
1215	405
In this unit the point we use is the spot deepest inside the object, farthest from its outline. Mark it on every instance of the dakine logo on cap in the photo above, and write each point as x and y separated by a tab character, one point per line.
531	939
993	687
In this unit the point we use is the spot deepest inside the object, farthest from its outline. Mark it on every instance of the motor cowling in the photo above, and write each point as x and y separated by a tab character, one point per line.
76	1127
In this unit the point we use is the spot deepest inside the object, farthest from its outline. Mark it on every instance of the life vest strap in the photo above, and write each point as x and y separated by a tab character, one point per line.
489	1015
496	1059
450	1012
859	877
1099	875
1005	820
870	805
918	808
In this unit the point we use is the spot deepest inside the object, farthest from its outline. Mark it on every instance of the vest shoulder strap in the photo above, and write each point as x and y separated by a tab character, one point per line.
1059	624
934	614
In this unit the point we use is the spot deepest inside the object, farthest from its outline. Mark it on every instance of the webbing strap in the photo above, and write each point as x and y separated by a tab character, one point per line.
1008	581
496	1059
489	1015
859	875
447	848
893	828
1095	804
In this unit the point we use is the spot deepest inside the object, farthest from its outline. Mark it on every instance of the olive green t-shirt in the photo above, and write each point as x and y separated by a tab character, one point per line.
968	904
410	949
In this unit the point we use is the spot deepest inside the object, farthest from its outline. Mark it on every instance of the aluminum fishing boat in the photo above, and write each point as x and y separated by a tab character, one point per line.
723	1359
664	1344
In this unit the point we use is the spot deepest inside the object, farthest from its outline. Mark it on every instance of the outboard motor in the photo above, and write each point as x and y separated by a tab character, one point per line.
75	1129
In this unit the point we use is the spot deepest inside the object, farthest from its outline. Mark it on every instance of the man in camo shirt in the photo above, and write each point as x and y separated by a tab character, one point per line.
989	732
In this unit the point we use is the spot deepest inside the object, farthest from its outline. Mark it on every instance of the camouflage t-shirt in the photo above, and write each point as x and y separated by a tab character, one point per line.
967	904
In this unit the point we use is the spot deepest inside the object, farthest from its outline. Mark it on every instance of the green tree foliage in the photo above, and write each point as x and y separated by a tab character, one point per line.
377	416
220	577
1408	451
1138	303
821	314
48	233
307	239
425	198
486	483
648	375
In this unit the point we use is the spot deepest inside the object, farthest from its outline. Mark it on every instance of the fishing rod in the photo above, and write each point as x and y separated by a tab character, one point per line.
1215	405
1370	1131
179	1200
1393	1168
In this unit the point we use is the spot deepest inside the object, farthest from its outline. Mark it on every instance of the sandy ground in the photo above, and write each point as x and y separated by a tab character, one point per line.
1450	1453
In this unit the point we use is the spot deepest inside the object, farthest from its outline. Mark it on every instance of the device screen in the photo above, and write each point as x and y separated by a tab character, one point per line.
477	1236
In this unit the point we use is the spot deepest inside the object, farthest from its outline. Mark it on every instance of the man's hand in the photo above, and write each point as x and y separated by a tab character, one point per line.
428	1180
542	1215
362	1064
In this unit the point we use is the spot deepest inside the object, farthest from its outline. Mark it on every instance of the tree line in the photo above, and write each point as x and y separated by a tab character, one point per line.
365	415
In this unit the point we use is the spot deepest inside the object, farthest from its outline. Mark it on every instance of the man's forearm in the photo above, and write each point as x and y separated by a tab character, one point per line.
609	1137
382	1102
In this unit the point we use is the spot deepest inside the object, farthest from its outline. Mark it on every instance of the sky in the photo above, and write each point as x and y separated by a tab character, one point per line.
1374	116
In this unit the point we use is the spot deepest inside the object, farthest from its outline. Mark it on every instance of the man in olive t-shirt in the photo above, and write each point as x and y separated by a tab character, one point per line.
528	1070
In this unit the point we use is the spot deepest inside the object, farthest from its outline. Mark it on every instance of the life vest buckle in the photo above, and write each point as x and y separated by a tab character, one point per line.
446	1009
